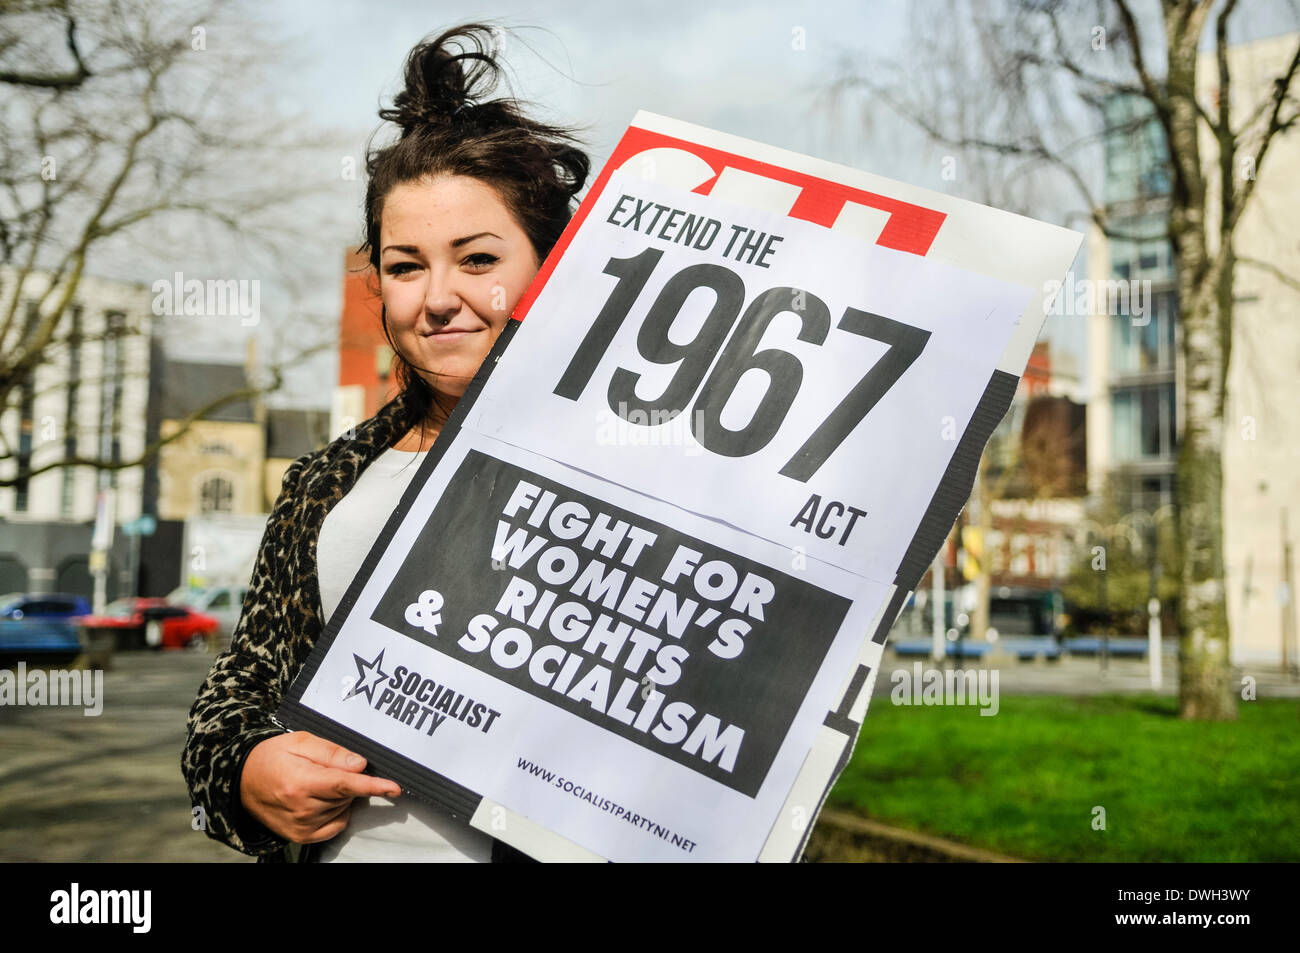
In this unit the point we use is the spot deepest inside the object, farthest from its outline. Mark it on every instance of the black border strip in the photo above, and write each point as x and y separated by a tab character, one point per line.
291	708
444	793
892	609
950	496
839	718
850	729
414	778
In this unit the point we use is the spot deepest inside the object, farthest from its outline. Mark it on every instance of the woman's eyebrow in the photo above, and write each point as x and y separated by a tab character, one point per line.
407	249
469	238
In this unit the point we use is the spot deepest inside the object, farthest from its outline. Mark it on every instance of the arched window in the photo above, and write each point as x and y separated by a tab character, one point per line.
217	495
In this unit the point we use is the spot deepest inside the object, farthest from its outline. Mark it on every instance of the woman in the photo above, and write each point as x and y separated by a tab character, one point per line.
460	212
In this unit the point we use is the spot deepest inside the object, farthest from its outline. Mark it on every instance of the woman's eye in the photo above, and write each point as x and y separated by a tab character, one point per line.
481	260
401	267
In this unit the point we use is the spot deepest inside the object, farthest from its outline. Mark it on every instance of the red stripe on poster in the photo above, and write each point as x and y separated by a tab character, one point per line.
910	228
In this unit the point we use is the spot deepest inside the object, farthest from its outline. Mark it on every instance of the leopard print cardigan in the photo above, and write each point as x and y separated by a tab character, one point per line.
280	622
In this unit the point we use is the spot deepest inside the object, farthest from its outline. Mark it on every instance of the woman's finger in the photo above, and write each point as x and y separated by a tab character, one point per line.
324	752
332	785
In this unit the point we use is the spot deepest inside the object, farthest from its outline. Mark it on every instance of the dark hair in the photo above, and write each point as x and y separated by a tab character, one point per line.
449	127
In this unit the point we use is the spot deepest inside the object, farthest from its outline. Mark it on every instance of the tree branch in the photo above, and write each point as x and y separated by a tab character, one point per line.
1064	61
1033	148
1281	87
1272	269
1227	143
60	81
1149	86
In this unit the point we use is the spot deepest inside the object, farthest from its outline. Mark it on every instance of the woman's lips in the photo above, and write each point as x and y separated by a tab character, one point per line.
452	334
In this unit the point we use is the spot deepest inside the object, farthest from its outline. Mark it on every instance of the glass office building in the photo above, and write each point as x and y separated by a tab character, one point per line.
1141	304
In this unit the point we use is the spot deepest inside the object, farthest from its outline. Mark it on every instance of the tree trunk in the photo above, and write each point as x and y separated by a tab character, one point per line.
1205	689
979	622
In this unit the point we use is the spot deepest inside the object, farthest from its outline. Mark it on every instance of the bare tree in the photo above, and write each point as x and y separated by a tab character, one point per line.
119	129
72	75
1039	74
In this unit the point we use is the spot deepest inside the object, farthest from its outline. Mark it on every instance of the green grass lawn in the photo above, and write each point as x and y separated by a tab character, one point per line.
1025	781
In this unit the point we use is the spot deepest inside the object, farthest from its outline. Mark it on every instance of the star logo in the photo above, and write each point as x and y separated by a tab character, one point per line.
369	675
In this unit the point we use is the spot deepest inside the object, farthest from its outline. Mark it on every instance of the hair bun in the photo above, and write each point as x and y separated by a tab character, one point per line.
444	77
451	126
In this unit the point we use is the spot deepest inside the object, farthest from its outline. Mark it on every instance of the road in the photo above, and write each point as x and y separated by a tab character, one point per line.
106	788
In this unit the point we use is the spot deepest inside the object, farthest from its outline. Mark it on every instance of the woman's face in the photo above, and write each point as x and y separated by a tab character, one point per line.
453	264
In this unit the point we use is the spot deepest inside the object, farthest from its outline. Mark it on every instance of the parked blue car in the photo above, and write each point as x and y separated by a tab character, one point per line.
40	624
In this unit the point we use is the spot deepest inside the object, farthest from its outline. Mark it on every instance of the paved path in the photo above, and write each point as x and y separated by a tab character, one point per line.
107	787
1078	675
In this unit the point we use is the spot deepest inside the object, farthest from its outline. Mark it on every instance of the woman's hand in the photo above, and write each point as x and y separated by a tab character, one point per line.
301	786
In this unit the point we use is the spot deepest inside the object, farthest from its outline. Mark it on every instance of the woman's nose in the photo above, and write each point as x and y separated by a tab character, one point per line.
441	299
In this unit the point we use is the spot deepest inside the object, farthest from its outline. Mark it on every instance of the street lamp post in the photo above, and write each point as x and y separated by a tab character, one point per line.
1155	650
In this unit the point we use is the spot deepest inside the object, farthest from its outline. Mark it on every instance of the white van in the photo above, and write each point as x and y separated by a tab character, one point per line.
223	603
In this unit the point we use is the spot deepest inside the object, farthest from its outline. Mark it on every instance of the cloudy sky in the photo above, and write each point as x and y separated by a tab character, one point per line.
727	66
759	70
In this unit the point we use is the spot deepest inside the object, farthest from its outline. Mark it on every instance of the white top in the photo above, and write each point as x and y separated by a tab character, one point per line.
381	829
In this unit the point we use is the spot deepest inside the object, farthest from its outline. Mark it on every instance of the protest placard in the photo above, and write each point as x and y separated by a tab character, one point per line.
633	605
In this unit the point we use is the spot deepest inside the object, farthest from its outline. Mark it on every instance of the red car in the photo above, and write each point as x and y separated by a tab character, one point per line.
152	623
